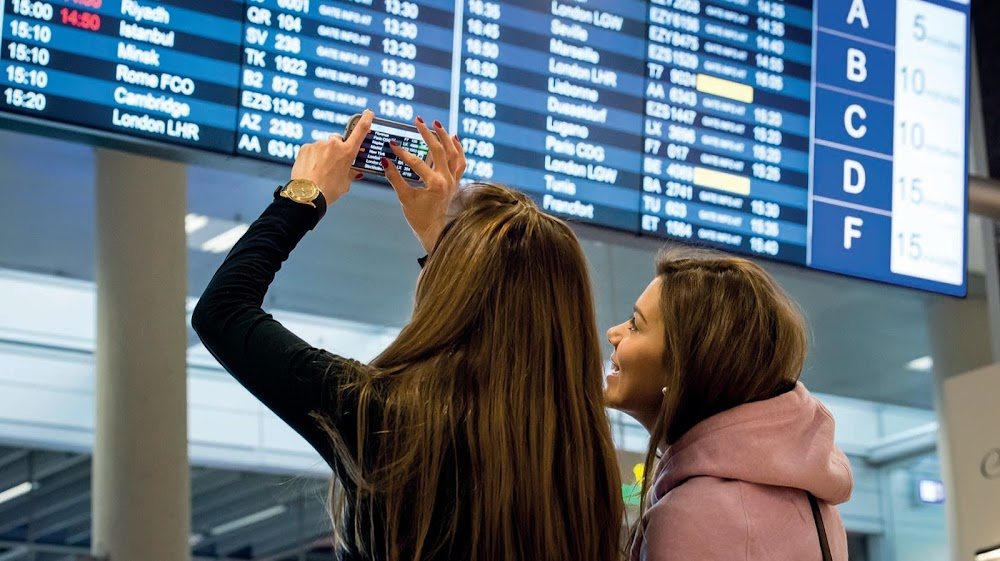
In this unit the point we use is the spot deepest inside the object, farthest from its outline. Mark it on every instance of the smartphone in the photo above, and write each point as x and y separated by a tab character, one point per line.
376	146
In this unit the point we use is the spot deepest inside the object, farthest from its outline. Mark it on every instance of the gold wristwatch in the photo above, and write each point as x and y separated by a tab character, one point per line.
304	191
301	191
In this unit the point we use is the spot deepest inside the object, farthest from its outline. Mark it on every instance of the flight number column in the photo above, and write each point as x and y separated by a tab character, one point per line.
309	66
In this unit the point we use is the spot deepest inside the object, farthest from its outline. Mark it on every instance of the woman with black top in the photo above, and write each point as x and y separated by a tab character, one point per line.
480	432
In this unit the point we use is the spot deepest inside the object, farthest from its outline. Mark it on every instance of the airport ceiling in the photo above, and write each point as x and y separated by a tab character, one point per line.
235	515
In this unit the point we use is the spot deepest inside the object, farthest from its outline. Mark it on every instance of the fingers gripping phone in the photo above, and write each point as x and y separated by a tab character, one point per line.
376	146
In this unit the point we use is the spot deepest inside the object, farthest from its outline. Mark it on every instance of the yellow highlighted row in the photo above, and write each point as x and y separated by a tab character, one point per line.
710	178
724	88
721	181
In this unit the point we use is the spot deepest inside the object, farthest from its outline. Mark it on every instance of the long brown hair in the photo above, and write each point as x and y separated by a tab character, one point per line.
732	336
494	387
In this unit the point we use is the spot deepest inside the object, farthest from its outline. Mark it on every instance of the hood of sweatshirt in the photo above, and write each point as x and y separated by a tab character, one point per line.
785	441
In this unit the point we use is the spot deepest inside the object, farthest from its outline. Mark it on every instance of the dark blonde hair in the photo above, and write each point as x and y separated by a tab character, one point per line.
499	371
732	336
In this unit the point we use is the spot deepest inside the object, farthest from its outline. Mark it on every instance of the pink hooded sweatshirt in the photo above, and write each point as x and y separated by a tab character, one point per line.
734	487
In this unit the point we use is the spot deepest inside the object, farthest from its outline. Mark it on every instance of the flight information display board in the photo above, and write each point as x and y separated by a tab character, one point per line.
161	70
826	133
309	66
551	101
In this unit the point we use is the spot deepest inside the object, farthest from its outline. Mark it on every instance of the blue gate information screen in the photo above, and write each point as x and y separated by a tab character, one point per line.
827	133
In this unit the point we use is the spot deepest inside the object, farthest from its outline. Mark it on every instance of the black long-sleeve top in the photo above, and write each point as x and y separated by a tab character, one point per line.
291	377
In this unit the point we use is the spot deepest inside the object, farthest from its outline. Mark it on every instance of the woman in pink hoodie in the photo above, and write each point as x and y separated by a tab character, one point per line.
709	364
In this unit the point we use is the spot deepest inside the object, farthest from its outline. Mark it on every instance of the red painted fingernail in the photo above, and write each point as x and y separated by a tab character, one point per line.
437	124
359	176
393	143
385	162
420	120
455	137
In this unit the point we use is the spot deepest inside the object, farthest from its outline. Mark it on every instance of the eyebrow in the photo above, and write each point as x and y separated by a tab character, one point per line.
638	313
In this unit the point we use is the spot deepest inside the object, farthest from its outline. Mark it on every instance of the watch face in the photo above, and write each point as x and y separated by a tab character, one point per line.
302	190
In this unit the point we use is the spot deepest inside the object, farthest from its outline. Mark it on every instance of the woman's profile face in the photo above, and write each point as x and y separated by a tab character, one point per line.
635	384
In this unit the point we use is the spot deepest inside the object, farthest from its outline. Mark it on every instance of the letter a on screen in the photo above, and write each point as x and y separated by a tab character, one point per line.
858	13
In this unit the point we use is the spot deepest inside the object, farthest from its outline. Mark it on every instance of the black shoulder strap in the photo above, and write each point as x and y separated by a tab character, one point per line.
824	545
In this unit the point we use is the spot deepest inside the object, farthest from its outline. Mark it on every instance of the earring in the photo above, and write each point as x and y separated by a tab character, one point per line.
664	390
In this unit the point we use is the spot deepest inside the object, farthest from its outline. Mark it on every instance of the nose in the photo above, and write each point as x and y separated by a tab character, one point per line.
614	334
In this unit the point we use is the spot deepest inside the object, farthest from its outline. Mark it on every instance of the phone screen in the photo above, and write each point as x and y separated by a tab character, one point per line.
376	146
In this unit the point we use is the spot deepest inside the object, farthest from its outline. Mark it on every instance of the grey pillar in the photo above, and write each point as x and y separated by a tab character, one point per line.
141	483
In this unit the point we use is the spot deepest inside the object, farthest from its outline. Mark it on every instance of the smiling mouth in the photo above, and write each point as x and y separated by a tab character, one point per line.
615	369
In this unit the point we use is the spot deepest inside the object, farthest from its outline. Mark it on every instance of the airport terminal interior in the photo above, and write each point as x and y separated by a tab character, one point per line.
881	346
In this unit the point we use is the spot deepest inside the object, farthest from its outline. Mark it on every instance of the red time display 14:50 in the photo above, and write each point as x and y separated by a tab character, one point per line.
83	20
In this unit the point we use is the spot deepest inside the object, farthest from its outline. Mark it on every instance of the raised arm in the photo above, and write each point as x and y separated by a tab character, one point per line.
291	377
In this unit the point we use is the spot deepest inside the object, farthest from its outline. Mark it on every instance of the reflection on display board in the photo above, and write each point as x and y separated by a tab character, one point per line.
830	134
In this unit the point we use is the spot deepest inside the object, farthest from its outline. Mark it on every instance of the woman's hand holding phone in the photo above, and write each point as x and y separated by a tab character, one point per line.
426	207
328	162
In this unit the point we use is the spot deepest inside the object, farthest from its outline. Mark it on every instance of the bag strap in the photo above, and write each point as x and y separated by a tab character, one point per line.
824	545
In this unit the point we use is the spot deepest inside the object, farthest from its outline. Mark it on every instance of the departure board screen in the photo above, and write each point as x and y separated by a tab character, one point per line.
308	66
161	70
551	95
824	133
726	130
